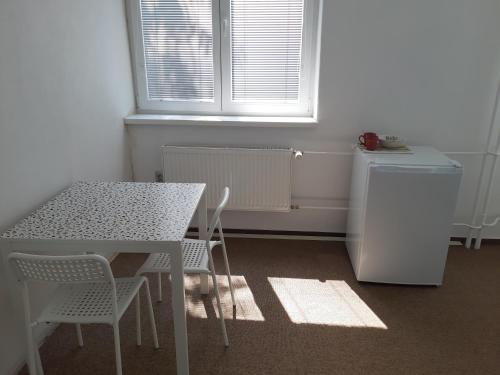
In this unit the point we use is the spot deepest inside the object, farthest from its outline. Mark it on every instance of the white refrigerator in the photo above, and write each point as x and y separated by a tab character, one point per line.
400	216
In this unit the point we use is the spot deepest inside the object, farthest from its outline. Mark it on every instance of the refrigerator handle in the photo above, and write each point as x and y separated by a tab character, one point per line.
387	168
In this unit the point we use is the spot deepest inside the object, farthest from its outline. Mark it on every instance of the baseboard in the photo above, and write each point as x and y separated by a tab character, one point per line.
286	233
484	241
487	241
276	235
307	236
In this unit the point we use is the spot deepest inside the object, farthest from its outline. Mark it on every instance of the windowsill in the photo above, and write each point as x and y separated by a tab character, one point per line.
237	121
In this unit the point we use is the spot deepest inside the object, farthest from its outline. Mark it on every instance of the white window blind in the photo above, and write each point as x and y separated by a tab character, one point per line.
266	50
178	49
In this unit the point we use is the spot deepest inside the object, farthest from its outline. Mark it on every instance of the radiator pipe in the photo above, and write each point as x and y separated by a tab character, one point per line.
349	153
298	154
487	200
329	208
479	188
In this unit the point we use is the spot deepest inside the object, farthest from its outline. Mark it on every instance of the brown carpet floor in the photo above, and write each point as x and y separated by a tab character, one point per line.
288	294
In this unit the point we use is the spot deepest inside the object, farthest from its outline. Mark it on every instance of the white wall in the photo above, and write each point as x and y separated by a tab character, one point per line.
424	69
65	85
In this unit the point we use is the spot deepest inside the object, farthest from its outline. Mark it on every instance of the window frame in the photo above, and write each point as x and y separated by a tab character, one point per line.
222	104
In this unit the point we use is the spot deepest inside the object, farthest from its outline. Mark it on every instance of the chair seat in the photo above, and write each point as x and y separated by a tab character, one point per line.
90	302
194	254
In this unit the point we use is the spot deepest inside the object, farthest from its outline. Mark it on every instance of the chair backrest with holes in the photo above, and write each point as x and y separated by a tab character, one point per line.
218	211
61	269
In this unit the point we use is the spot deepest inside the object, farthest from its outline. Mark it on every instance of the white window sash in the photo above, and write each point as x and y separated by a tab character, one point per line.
305	105
223	104
144	104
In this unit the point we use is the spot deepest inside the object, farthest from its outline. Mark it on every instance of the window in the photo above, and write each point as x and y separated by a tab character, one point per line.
225	57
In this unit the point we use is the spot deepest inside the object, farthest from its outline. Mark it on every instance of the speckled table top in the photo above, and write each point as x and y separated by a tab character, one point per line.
119	211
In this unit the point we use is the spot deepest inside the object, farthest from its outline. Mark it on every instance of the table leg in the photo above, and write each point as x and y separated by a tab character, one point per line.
202	235
179	312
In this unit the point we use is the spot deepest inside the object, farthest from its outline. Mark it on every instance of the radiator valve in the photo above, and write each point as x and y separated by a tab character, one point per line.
298	154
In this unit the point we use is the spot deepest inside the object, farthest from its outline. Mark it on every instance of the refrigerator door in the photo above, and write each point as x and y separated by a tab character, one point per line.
407	223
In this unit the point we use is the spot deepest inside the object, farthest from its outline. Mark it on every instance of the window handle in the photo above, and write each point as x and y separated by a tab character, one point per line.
225	24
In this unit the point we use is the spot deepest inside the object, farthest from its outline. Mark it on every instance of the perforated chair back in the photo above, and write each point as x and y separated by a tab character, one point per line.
61	269
96	300
216	216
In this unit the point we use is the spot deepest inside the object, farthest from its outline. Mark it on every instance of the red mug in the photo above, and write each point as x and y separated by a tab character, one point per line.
369	140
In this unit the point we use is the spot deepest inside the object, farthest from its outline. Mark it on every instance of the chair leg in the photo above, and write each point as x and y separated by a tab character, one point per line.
219	305
138	318
39	366
30	341
118	355
31	354
151	315
159	287
79	334
204	287
228	272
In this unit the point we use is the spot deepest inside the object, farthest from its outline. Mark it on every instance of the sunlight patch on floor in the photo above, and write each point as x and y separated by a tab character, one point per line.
194	304
332	302
246	307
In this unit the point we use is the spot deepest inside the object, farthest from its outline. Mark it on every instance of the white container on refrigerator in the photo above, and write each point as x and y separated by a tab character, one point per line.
400	215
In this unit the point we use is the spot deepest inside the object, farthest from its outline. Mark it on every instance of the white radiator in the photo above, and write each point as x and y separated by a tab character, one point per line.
259	179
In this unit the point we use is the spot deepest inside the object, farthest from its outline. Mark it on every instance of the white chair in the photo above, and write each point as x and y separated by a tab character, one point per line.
197	255
87	292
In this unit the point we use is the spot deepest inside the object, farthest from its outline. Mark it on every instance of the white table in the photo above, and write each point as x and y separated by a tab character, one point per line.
119	216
